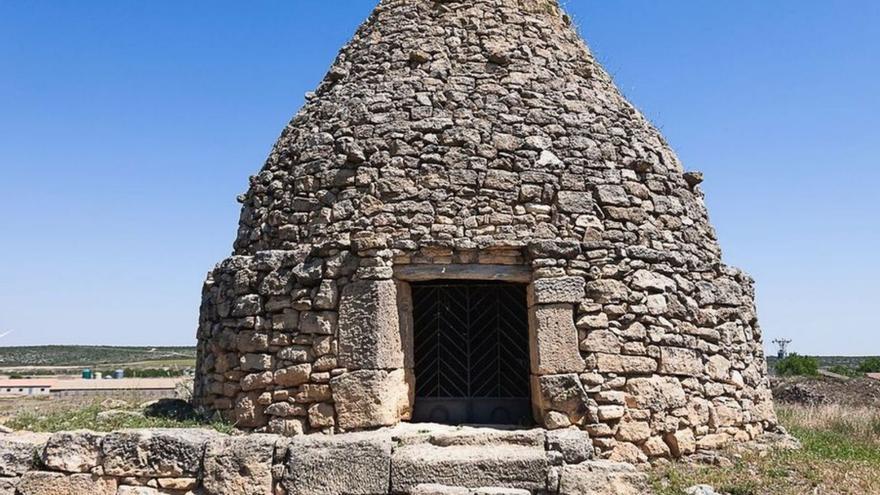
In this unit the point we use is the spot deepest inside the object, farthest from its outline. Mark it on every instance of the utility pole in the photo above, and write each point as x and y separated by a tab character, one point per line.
783	347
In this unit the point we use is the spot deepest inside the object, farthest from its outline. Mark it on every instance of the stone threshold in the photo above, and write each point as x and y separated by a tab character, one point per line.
422	459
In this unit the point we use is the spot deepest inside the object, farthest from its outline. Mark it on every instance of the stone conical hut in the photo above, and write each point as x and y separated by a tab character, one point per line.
467	223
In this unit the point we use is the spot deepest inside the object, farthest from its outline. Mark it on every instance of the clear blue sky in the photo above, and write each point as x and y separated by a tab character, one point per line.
127	128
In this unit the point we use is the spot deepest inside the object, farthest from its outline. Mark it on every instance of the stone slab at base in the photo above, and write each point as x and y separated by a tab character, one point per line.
422	459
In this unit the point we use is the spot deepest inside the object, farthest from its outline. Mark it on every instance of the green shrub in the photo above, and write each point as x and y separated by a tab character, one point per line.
795	365
870	365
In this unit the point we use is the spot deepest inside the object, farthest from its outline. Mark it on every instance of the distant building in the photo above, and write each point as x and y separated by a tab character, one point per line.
24	387
155	388
148	388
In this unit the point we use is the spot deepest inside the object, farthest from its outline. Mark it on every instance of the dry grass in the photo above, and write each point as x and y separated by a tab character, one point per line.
840	456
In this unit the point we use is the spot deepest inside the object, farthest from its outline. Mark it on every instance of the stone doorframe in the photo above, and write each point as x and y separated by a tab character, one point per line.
376	342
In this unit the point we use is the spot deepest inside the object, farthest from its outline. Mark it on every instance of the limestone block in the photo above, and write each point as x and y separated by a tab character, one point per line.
655	394
471	466
573	444
607	291
557	290
435	489
681	443
554	338
563	393
293	376
718	368
7	486
603	341
369	326
240	465
602	478
354	464
370	398
680	361
633	431
575	201
248	412
655	447
137	490
318	322
714	441
651	281
17	452
46	483
169	453
612	195
627	452
73	451
617	363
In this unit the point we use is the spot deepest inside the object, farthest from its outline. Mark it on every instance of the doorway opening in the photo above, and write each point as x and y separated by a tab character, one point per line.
471	350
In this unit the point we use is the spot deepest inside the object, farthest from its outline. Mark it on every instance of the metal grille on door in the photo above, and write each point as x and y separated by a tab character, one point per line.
471	353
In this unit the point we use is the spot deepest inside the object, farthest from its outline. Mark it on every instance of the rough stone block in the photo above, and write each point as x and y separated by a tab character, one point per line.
163	453
602	478
354	464
573	444
616	363
575	201
73	451
370	398
17	452
562	393
7	486
554	338
46	483
471	466
369	326
557	290
680	361
239	465
655	394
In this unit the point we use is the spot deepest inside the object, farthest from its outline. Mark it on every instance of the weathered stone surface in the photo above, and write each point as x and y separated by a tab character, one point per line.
48	483
155	453
370	398
240	465
7	486
655	393
558	290
680	361
369	330
616	363
602	478
573	444
314	467
554	339
18	450
499	465
561	393
73	452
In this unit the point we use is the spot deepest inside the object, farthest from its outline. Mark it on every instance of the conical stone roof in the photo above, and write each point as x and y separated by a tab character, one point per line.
482	132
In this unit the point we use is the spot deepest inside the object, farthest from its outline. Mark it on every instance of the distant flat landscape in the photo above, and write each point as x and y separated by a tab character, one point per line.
52	356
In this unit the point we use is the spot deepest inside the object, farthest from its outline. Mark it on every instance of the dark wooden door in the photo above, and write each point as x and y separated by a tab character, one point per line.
471	353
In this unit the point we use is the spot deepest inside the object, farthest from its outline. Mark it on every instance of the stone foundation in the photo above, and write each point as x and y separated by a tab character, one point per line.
406	460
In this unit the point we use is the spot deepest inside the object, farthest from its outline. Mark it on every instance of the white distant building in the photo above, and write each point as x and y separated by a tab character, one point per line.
155	388
25	387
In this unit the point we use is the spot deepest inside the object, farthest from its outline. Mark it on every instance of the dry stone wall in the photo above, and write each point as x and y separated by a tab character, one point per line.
481	136
442	461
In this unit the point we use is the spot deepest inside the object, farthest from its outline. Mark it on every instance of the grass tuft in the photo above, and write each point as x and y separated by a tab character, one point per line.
88	418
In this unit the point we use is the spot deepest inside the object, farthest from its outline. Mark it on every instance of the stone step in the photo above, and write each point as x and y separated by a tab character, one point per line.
471	459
